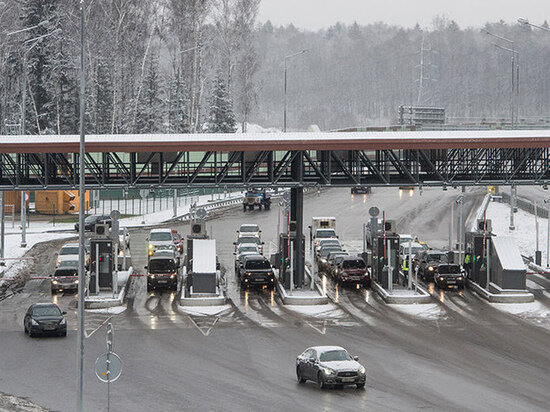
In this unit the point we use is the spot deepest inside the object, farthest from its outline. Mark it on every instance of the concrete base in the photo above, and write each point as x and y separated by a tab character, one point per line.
105	299
421	295
497	295
298	298
203	299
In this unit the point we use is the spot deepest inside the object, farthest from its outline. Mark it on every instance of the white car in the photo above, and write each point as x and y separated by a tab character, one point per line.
158	237
249	229
68	251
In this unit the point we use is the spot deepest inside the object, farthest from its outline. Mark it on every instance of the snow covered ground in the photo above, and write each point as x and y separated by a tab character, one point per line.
42	231
525	228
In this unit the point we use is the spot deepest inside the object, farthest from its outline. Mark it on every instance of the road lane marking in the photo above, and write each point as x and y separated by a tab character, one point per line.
204	329
96	329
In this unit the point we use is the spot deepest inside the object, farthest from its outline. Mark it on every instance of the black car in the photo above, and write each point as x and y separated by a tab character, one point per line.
449	275
427	263
361	190
162	271
256	270
45	319
330	365
92	220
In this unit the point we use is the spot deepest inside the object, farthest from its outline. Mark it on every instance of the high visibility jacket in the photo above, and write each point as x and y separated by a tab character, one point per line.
405	265
467	259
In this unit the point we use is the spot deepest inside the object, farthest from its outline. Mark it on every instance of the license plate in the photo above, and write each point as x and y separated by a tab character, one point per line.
260	279
162	281
451	281
49	327
348	379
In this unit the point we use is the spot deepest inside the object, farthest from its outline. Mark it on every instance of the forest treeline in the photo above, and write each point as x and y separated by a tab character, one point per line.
178	66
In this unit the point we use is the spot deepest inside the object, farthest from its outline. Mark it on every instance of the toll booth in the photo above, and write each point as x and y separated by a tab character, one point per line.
101	263
385	253
282	259
476	244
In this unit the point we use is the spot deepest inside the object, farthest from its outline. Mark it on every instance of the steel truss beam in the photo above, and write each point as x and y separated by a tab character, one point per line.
507	166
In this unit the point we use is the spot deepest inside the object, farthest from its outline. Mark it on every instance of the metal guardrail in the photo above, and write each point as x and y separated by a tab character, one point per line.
526	205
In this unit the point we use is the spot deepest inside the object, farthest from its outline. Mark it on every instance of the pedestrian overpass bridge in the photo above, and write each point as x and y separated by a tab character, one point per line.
398	158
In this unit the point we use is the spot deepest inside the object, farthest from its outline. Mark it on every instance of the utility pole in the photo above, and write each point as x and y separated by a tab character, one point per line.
286	58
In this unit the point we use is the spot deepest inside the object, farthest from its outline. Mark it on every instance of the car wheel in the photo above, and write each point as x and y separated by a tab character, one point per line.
361	385
30	334
299	376
64	334
244	208
149	288
321	381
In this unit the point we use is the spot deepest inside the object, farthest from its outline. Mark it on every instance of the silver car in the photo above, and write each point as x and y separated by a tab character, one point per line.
329	366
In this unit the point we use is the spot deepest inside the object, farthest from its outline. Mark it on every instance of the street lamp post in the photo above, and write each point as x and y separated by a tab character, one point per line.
286	58
36	40
514	89
526	22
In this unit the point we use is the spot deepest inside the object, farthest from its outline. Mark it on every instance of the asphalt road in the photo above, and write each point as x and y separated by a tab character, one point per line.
466	356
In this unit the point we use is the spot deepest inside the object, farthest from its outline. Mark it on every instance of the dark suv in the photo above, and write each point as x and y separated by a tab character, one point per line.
428	261
449	275
256	270
162	271
352	270
91	221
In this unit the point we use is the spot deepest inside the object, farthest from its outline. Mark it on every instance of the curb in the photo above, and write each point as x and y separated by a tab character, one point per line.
425	297
203	301
504	297
301	300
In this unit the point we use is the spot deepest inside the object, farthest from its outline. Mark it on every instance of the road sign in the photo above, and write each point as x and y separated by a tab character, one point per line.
115	214
108	367
374	211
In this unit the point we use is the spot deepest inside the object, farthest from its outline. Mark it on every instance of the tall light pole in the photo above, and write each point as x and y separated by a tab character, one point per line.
81	206
286	58
36	40
526	22
514	87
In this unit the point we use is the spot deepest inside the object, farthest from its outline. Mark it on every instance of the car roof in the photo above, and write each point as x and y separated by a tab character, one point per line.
322	349
255	257
70	245
44	304
161	231
248	245
249	224
353	258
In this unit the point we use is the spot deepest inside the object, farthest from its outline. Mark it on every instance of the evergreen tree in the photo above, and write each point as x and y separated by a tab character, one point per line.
66	94
222	118
149	108
178	121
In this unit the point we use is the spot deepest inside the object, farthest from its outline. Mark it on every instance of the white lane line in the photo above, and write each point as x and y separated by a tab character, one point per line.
322	326
202	328
96	329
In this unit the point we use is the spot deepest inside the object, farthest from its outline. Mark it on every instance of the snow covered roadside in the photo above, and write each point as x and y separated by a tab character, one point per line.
420	310
13	403
535	312
525	228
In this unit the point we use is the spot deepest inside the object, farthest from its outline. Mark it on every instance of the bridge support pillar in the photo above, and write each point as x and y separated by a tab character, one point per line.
297	216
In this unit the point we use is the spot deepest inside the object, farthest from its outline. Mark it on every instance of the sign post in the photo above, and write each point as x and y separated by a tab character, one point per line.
108	367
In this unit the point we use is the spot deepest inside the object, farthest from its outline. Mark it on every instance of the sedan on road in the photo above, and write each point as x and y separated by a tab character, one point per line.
45	319
330	365
448	276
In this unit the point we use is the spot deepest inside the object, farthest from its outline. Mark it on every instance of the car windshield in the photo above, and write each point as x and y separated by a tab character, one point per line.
257	264
249	239
354	264
161	266
160	237
90	219
50	310
329	242
68	263
334	355
324	233
437	257
69	250
66	272
249	229
449	269
415	250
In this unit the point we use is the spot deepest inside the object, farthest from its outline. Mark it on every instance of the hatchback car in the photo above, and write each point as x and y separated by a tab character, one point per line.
249	229
91	221
330	365
45	319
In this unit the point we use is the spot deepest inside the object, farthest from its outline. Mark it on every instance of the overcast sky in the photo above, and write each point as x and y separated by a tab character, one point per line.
316	14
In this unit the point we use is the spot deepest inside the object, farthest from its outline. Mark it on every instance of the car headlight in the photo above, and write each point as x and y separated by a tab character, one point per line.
459	278
430	268
441	278
33	322
172	276
76	281
328	371
323	260
63	321
361	370
58	261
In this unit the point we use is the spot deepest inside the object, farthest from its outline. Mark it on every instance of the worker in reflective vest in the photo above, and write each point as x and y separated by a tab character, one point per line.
468	262
405	270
